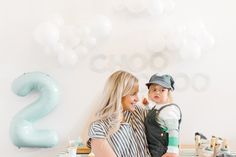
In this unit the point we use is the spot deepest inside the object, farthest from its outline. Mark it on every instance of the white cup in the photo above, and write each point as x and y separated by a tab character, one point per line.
72	151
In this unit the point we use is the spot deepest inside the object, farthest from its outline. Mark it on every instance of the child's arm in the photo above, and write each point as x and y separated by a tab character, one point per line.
171	115
173	138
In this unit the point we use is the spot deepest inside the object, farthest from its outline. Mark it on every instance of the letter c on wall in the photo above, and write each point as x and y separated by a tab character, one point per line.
22	131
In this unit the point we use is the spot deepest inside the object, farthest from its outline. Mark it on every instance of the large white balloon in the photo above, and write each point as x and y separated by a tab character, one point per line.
57	19
69	37
168	6
82	51
155	7
174	40
101	27
58	48
67	58
136	6
47	34
197	31
205	39
83	32
90	42
118	4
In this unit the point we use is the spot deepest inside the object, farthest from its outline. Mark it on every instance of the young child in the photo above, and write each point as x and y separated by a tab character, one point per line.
163	118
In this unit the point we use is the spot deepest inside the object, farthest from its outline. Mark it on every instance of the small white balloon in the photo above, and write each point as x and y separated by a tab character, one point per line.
48	50
47	34
136	6
57	19
168	6
83	32
90	42
205	40
82	51
190	50
101	27
68	58
155	7
174	40
69	36
118	4
58	48
73	42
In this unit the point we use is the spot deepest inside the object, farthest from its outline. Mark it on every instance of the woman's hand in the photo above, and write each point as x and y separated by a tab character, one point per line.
101	148
170	155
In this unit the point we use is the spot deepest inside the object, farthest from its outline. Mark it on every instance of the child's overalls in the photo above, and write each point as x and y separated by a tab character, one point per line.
157	138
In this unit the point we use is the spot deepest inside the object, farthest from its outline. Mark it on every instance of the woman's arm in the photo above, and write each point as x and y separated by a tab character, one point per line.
101	148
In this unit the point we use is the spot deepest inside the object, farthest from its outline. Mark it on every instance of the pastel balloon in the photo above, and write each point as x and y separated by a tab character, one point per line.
82	51
101	27
136	6
156	7
90	42
22	130
118	4
168	6
68	58
205	39
47	34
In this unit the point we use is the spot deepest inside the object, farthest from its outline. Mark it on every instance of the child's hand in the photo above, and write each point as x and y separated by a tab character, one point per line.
145	101
170	155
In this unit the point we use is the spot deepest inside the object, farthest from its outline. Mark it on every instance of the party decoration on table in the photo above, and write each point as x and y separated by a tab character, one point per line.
22	129
214	147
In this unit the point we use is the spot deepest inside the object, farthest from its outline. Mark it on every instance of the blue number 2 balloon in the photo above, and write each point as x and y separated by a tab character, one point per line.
22	131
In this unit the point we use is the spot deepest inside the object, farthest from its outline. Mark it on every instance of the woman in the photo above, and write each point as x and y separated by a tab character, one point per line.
119	129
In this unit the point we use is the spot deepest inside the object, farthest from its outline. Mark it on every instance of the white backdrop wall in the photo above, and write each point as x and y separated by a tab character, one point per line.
210	111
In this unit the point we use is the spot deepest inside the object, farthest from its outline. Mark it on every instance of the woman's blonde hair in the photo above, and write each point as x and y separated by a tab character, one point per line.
118	85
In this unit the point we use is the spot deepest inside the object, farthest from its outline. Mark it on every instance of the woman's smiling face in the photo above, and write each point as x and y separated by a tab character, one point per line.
129	101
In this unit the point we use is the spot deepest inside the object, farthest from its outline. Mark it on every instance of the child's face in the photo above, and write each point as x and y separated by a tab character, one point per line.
129	101
158	94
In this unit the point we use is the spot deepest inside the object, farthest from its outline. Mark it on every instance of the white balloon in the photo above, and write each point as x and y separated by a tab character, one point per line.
156	7
136	6
82	51
48	50
118	4
47	34
57	19
174	40
58	48
205	40
72	42
69	36
90	42
83	32
67	58
190	50
197	31
168	6
101	27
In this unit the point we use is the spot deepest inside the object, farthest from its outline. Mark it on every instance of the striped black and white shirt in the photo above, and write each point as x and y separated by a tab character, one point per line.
129	140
